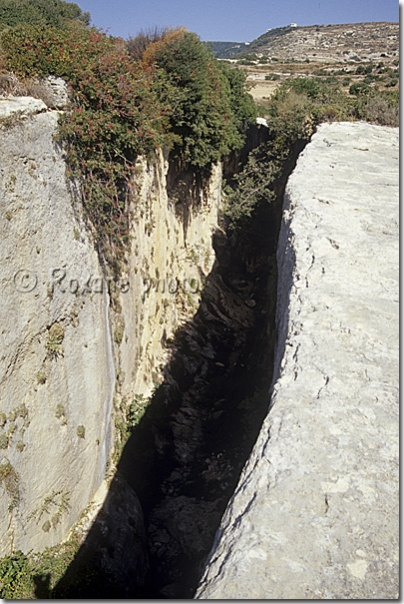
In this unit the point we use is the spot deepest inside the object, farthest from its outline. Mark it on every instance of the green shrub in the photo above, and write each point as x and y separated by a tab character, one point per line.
127	418
46	526
250	56
40	12
10	479
203	121
253	186
118	335
136	410
391	83
380	107
56	336
81	431
364	69
15	577
320	72
119	330
41	377
60	411
359	89
20	446
57	499
370	78
19	572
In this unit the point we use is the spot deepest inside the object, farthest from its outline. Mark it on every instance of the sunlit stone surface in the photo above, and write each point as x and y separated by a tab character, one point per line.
315	514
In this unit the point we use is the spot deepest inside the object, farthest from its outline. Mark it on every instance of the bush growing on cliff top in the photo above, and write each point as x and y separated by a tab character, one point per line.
115	114
176	96
40	12
210	108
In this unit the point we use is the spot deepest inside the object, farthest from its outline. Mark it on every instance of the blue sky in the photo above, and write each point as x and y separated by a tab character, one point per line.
231	20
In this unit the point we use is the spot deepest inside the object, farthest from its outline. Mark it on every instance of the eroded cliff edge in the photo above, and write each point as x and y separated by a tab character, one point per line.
77	345
55	409
315	513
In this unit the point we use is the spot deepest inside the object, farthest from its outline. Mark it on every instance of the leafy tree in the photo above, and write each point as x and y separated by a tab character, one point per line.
54	13
203	118
242	103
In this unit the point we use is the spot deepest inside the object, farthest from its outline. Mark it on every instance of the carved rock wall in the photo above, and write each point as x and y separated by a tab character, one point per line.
315	513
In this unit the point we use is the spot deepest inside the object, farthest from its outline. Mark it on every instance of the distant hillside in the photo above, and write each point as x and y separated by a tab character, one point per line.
323	43
227	50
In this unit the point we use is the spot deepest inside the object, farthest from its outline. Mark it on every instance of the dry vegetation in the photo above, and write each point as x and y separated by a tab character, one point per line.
338	51
11	85
331	43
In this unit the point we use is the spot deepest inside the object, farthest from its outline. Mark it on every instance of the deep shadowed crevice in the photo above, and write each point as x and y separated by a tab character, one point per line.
183	460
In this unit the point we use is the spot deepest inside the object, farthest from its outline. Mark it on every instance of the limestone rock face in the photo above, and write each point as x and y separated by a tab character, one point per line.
57	95
57	368
171	254
68	353
315	513
25	105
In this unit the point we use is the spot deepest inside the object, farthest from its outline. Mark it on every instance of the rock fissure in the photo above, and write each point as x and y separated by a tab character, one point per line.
184	458
185	372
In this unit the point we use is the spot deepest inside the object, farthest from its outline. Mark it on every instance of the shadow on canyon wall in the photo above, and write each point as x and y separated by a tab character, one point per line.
182	462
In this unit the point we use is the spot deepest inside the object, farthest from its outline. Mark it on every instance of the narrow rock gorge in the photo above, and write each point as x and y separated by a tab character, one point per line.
76	340
132	398
183	335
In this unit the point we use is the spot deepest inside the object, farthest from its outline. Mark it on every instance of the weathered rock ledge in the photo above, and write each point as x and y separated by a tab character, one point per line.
315	514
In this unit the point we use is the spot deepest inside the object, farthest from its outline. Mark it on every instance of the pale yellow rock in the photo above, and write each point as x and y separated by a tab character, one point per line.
167	263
